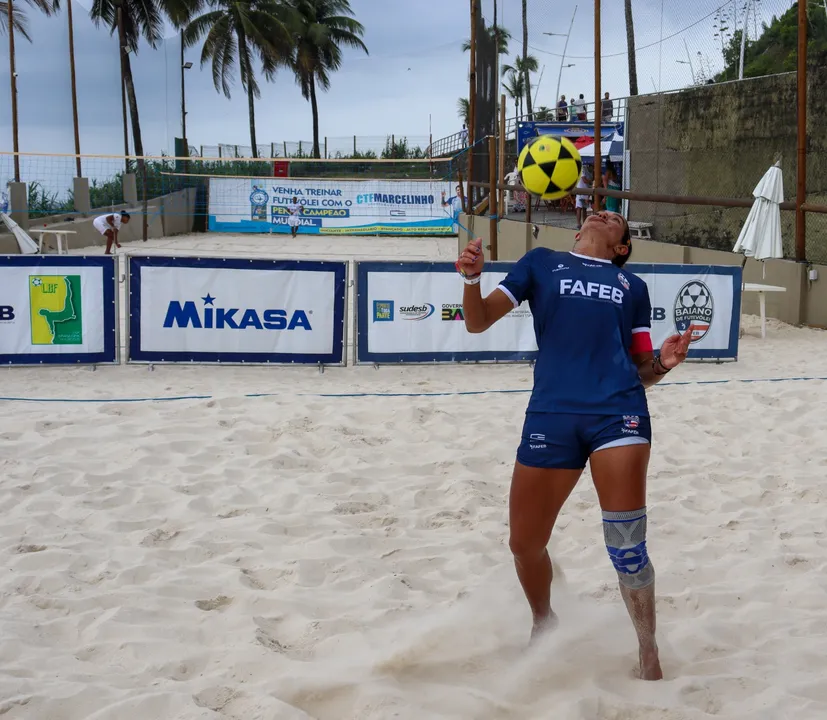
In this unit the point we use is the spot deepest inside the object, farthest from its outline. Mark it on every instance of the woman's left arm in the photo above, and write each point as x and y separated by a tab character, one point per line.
673	352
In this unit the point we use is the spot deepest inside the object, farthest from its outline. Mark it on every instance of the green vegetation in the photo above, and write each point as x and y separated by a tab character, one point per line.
776	50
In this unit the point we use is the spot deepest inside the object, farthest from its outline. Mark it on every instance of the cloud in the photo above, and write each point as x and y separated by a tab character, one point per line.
409	83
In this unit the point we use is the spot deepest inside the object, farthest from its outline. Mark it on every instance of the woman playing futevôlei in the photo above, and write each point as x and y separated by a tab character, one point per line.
592	322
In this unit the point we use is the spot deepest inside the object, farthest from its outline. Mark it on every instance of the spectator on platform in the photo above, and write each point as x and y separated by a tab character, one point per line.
606	109
580	103
464	135
562	109
572	110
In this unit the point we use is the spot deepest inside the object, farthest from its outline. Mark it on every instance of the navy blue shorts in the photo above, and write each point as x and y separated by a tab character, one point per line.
566	440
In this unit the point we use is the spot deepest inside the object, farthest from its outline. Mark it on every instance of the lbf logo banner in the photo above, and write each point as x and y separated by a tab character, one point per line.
226	310
57	310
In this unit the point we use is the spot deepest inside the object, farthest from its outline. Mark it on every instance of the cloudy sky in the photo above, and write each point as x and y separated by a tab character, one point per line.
409	83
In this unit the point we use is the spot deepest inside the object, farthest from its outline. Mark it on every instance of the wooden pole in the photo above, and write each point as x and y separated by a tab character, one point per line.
492	194
462	192
472	100
801	169
598	107
501	173
13	74
74	87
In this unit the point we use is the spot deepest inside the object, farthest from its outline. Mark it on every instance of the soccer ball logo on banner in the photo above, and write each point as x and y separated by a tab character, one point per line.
694	306
549	167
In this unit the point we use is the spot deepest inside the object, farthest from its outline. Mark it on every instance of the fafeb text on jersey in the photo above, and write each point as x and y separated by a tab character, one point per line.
589	317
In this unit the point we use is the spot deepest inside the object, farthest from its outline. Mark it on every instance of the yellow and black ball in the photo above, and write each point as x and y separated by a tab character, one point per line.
549	167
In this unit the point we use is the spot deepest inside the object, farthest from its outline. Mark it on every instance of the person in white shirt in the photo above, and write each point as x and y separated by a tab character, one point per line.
581	205
108	226
295	210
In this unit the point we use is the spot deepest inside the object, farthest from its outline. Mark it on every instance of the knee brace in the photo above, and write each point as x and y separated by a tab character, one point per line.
625	535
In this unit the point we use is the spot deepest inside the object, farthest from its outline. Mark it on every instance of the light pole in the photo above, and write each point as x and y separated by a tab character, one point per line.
184	67
563	59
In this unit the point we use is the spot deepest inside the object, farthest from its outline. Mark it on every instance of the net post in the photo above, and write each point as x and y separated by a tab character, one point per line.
325	147
472	99
462	195
801	167
501	168
598	108
492	194
354	146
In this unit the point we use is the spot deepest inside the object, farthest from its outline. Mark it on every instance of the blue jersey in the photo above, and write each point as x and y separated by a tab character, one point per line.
586	312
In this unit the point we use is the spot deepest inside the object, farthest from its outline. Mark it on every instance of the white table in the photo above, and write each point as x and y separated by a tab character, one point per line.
60	235
762	290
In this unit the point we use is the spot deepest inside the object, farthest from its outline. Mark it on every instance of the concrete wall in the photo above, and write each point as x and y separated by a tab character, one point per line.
719	140
804	302
168	215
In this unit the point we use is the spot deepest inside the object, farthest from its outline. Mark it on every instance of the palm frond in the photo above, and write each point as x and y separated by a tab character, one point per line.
19	20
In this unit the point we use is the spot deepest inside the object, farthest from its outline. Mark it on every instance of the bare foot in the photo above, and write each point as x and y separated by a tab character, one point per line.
650	665
543	625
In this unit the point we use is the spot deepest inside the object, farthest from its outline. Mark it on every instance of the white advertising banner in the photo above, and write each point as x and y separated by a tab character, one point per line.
57	310
413	313
706	297
229	310
330	207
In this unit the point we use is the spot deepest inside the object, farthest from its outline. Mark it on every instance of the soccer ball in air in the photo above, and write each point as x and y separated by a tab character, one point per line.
549	167
694	295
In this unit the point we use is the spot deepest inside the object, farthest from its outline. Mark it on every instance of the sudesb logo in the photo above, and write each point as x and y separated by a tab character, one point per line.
417	312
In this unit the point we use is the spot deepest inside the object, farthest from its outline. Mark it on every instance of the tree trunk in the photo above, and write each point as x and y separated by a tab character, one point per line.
314	106
630	48
74	87
136	137
252	108
525	60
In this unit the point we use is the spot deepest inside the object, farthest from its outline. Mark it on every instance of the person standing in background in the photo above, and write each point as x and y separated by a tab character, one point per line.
562	109
611	183
109	226
293	220
606	109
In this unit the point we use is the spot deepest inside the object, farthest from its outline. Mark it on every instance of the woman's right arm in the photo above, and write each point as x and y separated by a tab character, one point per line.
480	312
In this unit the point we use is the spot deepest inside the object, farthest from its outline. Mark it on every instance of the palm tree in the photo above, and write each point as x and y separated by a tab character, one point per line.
131	19
527	79
12	20
464	111
243	29
501	34
324	26
630	48
514	88
522	69
19	17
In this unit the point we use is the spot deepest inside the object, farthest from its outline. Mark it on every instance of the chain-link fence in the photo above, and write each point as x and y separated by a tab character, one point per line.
333	148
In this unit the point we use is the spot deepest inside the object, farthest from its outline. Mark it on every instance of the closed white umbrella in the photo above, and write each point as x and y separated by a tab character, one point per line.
760	237
24	241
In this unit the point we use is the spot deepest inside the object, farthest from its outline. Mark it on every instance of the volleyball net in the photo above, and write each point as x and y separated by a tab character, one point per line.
242	194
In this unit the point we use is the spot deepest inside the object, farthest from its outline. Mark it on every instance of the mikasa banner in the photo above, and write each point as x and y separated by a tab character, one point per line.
412	312
233	310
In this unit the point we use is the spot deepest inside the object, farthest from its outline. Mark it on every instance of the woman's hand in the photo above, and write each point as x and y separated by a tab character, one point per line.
471	259
674	349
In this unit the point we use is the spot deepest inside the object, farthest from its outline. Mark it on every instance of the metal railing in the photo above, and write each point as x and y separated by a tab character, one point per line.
458	141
